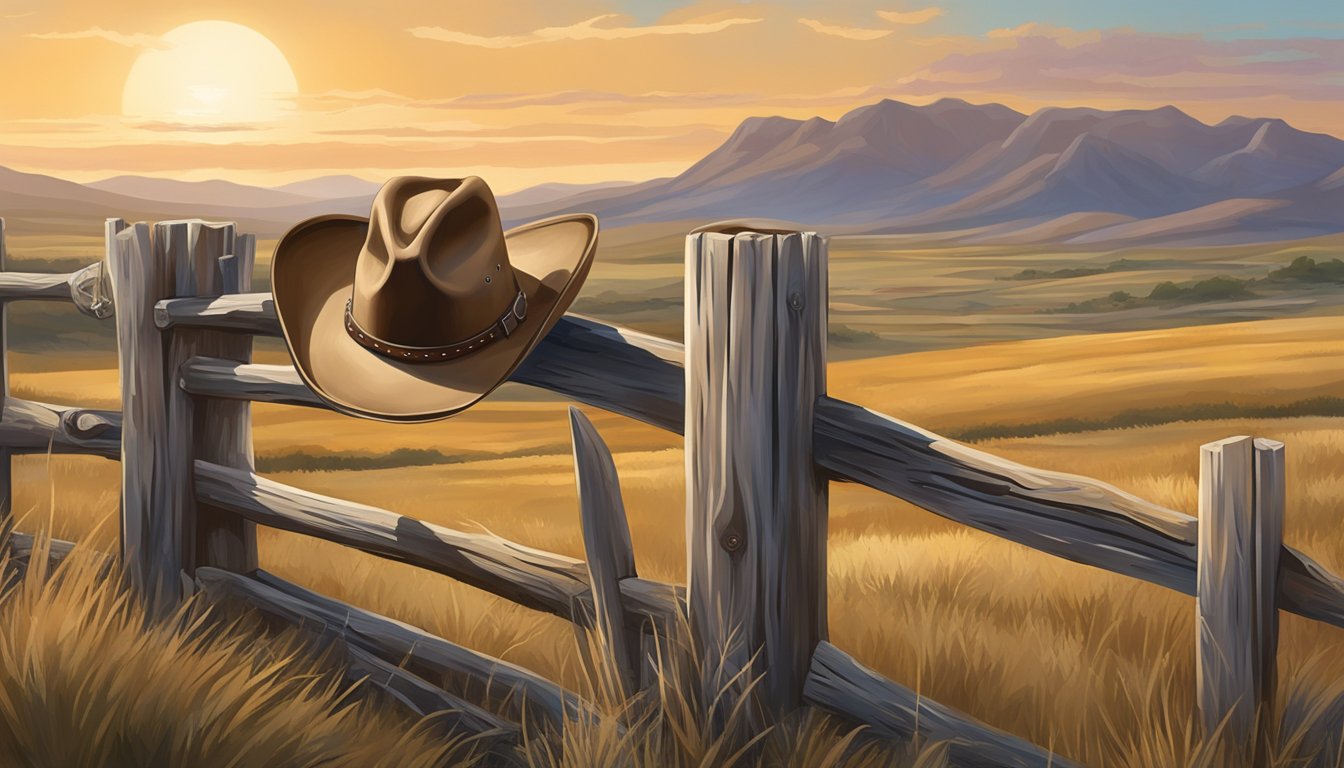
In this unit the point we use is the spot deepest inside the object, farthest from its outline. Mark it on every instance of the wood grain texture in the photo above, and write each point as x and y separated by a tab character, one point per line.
840	685
1241	513
33	427
141	276
504	685
223	428
29	286
230	379
1271	492
1077	518
248	313
613	368
531	577
756	507
606	541
193	248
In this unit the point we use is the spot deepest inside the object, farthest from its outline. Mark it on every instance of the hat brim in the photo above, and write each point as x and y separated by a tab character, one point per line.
312	276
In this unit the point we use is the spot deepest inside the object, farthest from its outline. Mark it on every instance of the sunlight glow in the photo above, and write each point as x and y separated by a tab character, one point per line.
210	73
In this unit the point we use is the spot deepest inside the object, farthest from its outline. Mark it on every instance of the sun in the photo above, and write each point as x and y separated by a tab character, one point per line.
210	73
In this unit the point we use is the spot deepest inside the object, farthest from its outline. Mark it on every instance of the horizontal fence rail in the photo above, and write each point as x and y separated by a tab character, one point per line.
31	286
208	497
504	684
530	577
839	684
32	427
1076	518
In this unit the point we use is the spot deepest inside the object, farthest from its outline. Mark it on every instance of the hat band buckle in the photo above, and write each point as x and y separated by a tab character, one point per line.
500	329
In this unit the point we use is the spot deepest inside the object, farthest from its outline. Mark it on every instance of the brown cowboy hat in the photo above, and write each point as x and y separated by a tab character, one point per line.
425	307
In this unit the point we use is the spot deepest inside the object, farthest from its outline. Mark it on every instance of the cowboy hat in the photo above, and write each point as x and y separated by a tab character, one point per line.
422	309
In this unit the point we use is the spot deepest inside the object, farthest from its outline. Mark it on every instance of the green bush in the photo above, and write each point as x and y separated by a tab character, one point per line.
1167	291
1307	269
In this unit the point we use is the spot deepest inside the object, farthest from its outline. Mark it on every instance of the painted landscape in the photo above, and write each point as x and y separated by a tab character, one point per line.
1092	291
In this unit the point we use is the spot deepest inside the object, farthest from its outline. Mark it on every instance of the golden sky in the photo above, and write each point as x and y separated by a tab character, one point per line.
528	91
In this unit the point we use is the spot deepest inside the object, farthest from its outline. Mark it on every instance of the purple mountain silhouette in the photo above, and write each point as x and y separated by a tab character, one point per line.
974	171
893	167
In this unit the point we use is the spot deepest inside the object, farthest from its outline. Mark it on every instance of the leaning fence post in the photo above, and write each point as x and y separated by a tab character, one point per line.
141	276
610	555
756	504
1241	506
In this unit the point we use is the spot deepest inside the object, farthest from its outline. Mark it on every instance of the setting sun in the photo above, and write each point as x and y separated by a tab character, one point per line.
209	73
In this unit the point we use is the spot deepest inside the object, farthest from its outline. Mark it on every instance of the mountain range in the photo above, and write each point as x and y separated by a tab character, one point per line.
988	173
949	170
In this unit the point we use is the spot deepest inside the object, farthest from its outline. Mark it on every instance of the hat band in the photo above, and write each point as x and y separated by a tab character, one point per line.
501	329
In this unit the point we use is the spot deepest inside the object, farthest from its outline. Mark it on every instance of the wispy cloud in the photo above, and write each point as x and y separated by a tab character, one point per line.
583	30
131	40
921	16
900	18
849	33
1043	62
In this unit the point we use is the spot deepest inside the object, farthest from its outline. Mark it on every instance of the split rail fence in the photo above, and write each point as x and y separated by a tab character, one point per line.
763	440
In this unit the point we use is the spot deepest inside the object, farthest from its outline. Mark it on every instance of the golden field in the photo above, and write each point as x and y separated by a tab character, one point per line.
1097	666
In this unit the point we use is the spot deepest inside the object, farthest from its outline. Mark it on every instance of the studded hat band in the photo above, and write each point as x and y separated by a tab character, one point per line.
502	328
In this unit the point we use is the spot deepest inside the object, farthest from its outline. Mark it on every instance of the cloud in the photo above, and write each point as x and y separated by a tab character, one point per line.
583	30
908	18
922	16
1044	62
132	40
849	33
1039	29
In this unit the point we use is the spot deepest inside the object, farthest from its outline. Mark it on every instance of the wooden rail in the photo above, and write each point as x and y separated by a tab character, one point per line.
839	684
505	685
760	443
1070	516
531	577
32	427
29	286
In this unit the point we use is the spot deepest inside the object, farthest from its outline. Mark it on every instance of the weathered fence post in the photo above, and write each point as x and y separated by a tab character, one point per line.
1241	505
610	555
756	506
210	259
141	276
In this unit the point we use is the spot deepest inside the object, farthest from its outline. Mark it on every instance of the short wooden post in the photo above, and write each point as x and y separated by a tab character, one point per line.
6	465
606	541
1241	506
141	276
756	505
209	259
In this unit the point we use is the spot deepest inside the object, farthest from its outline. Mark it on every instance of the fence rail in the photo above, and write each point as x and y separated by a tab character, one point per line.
191	496
1070	516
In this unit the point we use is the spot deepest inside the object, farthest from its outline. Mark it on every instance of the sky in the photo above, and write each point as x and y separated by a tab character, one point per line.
524	92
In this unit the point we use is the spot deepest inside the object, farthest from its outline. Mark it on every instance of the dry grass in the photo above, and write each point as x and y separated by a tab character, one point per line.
1095	665
88	679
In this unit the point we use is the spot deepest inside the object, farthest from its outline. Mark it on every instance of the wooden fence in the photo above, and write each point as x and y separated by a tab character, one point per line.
763	441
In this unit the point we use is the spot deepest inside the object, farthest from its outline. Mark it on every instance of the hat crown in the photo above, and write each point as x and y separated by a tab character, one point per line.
434	268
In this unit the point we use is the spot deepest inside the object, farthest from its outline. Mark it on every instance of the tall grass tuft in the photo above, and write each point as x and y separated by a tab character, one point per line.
88	678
